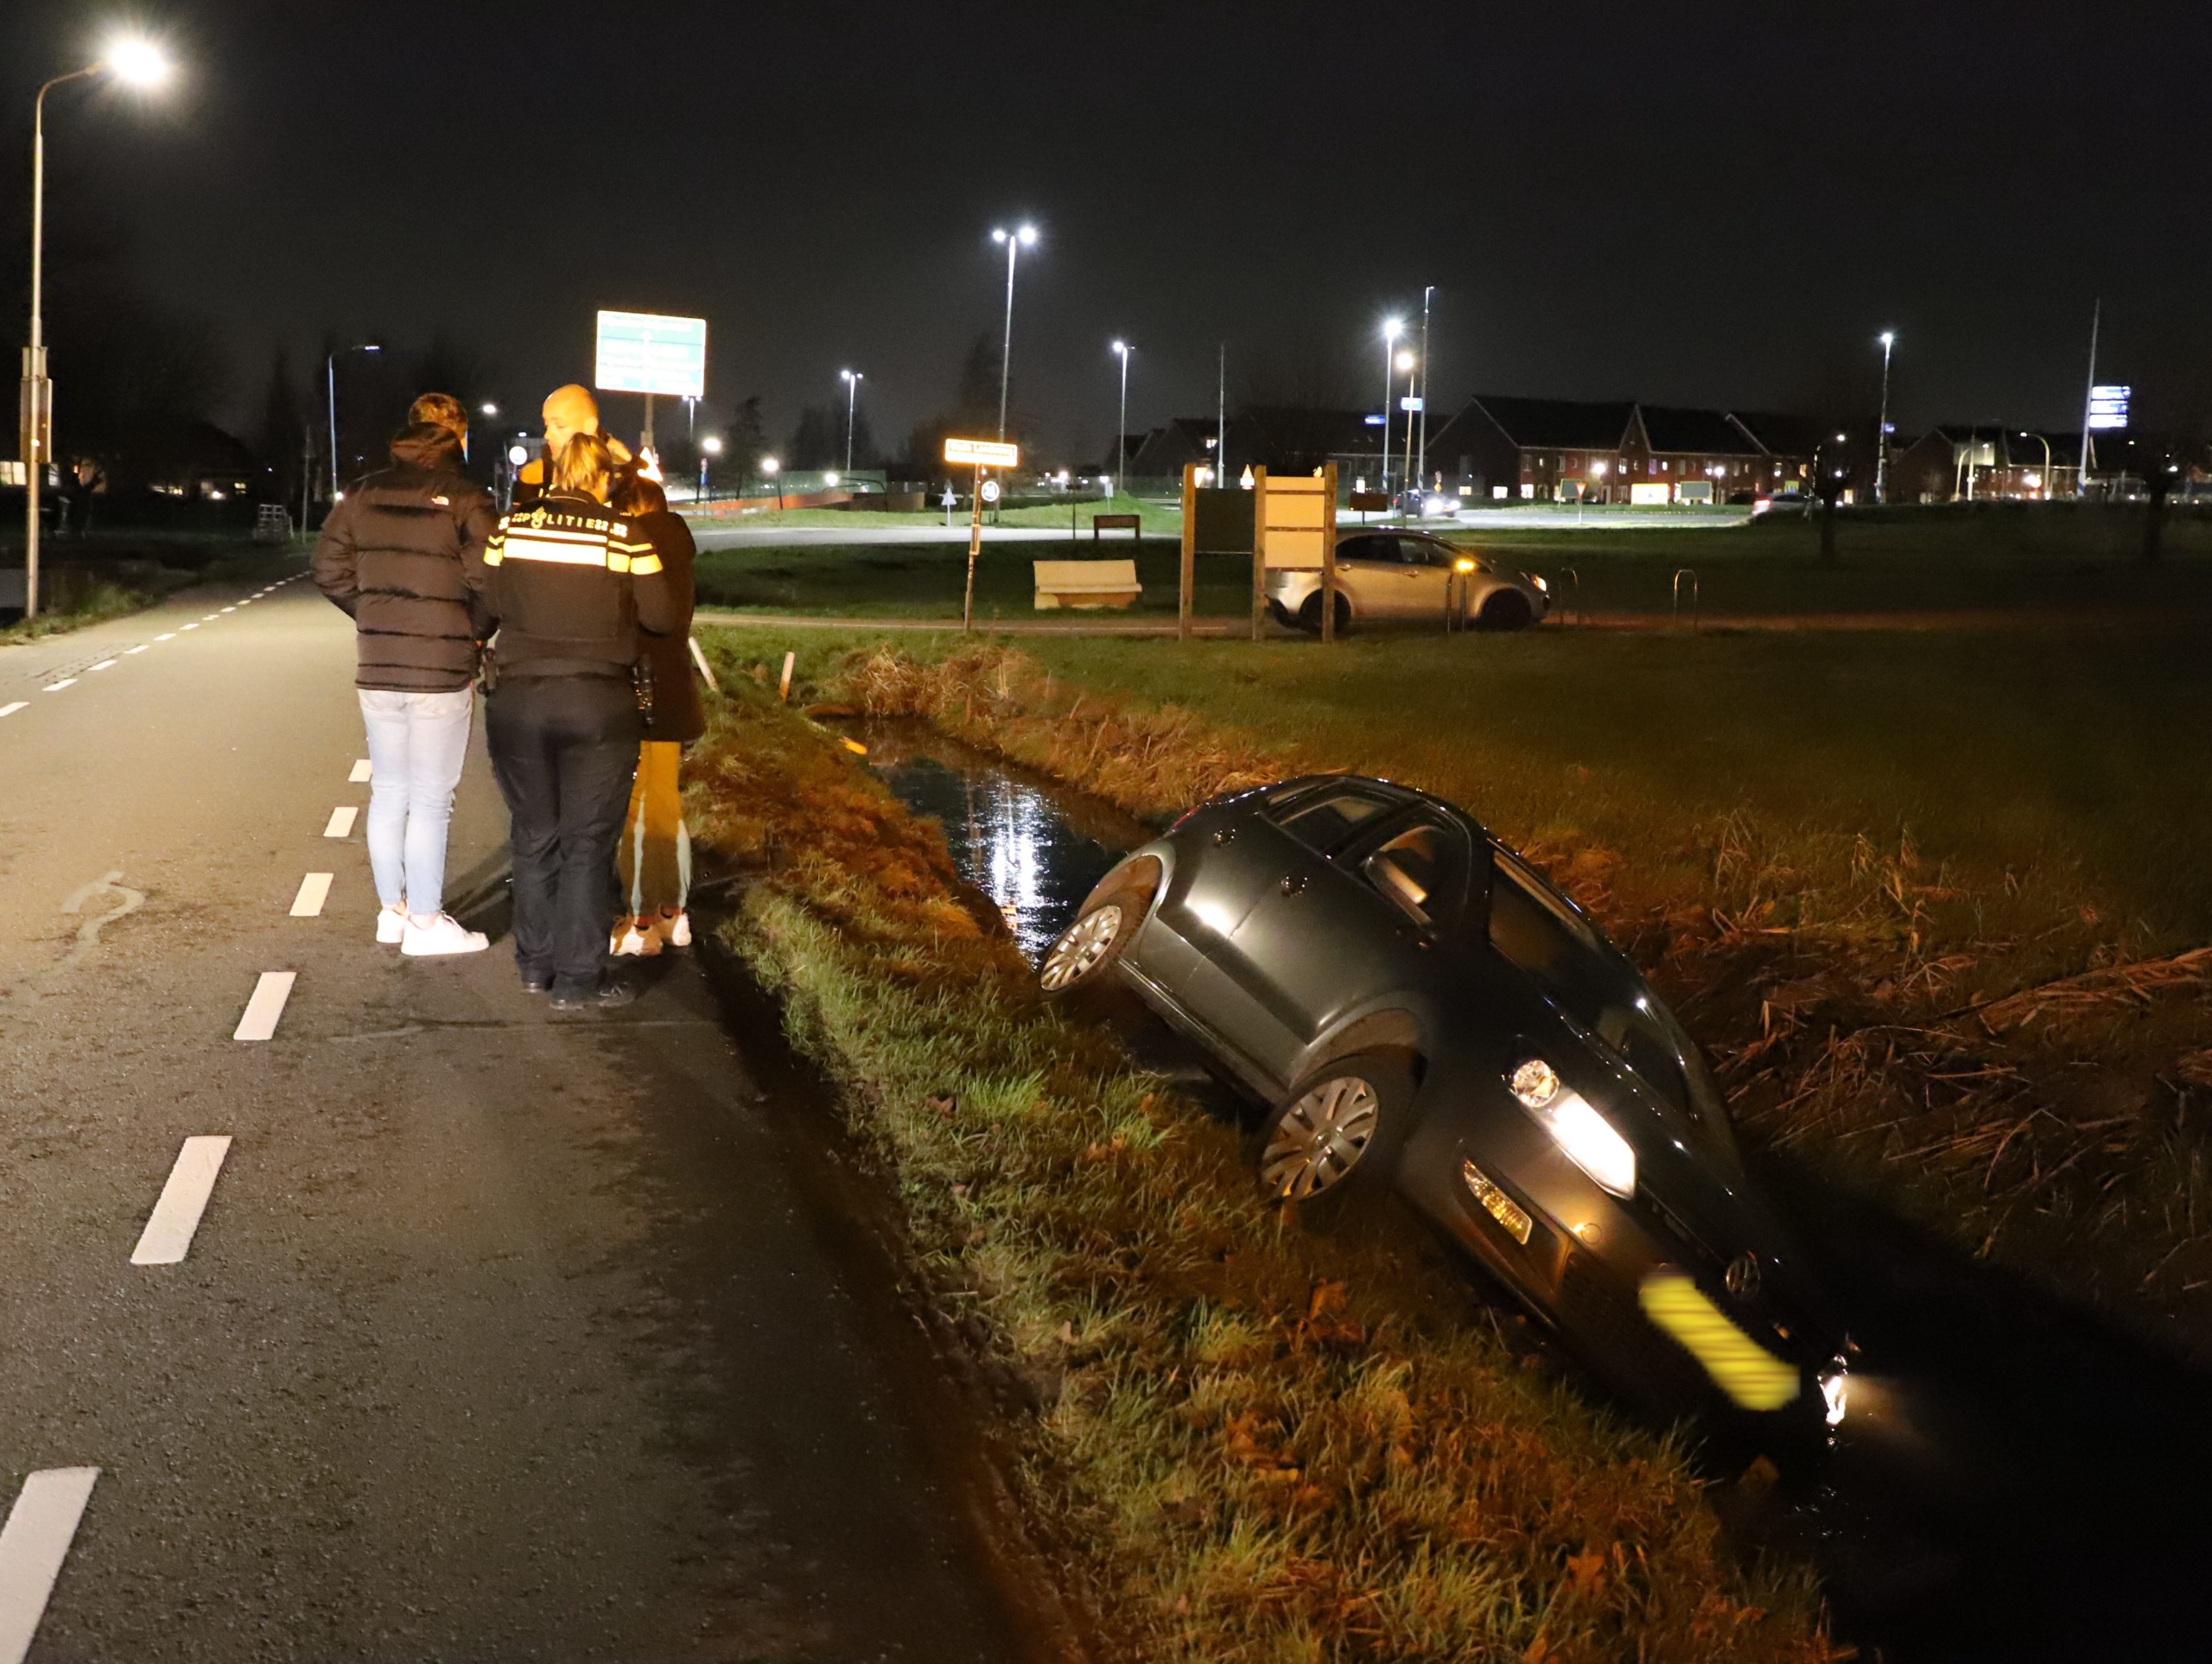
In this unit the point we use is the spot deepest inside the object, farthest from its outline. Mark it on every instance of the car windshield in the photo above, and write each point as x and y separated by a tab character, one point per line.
1601	992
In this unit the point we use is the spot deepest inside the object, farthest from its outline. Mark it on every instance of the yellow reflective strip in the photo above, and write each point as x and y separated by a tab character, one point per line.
644	566
1744	1369
492	556
530	546
617	561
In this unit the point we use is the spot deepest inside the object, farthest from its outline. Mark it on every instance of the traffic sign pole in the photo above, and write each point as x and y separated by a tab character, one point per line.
974	542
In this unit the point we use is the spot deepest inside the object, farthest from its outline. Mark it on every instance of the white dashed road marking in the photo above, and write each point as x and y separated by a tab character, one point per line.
170	636
167	1236
341	821
105	664
360	771
192	626
315	890
32	1544
10	710
225	609
267	1005
56	687
140	648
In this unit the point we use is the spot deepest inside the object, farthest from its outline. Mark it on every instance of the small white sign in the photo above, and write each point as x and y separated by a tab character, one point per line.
1411	403
645	352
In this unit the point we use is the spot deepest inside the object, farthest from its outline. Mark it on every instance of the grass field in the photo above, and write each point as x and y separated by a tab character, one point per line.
1996	558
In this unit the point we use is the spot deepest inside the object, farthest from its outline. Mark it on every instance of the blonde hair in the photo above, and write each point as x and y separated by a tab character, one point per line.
586	465
438	411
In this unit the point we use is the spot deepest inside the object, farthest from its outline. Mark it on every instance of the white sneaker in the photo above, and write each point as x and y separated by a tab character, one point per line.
676	927
443	935
628	939
391	925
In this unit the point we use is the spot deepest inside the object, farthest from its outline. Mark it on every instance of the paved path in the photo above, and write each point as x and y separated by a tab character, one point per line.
499	1338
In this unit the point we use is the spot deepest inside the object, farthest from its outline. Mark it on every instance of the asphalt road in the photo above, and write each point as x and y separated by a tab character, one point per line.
501	1337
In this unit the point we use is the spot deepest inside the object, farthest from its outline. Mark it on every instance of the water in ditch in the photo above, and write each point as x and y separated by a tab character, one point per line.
2017	1479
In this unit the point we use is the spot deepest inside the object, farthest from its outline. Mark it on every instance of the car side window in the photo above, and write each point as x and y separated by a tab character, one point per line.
1321	822
1414	551
1423	869
1366	549
1538	932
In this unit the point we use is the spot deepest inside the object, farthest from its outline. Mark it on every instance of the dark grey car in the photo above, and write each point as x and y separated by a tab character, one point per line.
1413	1003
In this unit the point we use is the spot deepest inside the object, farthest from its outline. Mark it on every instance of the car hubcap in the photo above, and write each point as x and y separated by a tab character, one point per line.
1082	947
1319	1138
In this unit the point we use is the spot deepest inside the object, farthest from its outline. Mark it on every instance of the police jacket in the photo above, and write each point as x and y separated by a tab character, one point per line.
399	556
567	585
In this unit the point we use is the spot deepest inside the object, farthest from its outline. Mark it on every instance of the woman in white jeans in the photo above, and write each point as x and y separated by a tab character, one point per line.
398	555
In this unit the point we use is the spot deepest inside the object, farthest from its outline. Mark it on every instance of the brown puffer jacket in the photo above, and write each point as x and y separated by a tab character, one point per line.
400	556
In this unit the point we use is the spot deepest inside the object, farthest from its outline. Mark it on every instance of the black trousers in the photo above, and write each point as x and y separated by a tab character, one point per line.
564	749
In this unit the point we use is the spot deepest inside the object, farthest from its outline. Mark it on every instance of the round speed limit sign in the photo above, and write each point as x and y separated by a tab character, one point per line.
990	490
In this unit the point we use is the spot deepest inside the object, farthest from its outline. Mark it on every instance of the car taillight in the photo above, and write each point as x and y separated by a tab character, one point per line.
1183	819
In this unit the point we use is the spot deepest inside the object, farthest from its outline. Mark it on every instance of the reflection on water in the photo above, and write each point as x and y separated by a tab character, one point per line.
1007	837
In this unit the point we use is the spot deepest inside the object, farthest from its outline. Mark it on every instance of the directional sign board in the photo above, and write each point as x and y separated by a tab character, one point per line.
2108	407
982	453
645	353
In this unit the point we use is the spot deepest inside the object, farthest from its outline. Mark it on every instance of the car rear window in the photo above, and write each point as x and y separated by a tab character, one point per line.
1321	822
1423	869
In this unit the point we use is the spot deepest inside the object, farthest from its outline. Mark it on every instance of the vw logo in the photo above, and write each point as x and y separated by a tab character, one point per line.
1742	1276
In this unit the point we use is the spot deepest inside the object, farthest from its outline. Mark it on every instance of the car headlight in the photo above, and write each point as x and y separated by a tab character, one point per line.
1537	579
1586	1137
1835	1391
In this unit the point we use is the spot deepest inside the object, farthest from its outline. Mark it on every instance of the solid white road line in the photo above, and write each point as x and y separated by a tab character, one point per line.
170	636
315	890
360	771
267	1005
10	710
140	648
56	687
32	1544
341	821
105	664
167	1236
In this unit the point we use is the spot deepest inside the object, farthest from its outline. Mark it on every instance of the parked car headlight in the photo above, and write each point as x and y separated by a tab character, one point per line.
1537	579
1587	1136
1835	1391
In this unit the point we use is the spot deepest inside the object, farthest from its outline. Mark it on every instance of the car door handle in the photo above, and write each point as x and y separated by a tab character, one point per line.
1294	884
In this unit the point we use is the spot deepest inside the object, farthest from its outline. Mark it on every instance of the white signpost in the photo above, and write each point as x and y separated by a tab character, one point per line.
646	352
978	453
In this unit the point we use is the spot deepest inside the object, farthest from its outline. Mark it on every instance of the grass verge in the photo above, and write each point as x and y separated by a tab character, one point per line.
93	603
2009	1039
1247	1442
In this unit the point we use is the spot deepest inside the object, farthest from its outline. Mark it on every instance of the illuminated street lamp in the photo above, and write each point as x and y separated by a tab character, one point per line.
1882	426
135	62
2037	483
330	404
1392	328
774	469
1122	350
709	447
852	378
1025	237
488	409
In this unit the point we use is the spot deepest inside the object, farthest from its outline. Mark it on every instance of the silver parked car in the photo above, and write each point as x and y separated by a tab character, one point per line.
1409	576
1413	1004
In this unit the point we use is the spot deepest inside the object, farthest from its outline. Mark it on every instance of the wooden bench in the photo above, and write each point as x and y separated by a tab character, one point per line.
1086	583
1131	524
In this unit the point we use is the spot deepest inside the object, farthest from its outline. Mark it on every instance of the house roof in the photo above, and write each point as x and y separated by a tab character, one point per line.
1676	429
1556	423
1778	435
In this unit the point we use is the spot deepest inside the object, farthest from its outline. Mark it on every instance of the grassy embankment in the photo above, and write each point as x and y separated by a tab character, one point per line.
1996	558
114	575
1247	1442
1863	866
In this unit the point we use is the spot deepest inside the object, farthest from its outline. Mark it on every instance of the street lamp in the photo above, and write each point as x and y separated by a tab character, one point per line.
708	447
852	378
135	62
330	403
1122	350
2046	443
1025	237
1882	426
1405	362
773	469
489	410
1392	327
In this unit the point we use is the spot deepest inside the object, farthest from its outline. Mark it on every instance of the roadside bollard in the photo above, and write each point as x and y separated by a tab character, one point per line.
784	693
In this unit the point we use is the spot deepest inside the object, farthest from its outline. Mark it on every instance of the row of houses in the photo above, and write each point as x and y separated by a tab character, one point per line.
1500	448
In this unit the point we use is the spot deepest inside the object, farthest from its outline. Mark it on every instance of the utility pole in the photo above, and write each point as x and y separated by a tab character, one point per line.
1221	419
1420	466
1391	328
2081	473
1882	424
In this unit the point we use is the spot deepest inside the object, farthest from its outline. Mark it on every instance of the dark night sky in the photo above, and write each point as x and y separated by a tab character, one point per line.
1716	204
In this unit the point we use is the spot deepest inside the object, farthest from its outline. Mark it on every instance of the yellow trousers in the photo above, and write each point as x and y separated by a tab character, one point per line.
655	854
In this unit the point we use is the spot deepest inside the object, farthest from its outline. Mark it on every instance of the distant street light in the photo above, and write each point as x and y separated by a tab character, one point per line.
2039	483
1405	362
489	410
773	469
1122	350
1392	327
1025	237
136	62
1882	426
709	447
852	378
330	404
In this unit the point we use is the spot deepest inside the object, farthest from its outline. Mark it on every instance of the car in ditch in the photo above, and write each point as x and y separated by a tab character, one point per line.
1412	1002
1402	576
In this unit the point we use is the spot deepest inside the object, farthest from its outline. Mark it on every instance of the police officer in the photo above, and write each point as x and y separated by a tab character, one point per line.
568	586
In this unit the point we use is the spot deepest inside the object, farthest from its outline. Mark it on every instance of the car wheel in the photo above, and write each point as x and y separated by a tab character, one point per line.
1508	609
1087	949
1331	1126
1309	615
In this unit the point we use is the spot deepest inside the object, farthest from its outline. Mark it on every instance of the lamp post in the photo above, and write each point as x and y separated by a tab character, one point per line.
136	62
330	403
1882	424
773	469
708	447
1421	465
1122	350
1025	237
852	378
1406	364
1391	328
2046	443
